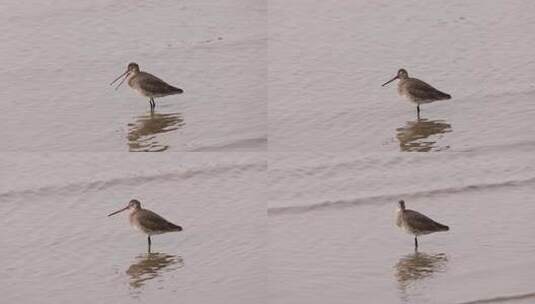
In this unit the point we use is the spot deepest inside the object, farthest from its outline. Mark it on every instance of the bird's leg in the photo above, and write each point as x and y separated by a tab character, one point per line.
415	243
418	111
149	242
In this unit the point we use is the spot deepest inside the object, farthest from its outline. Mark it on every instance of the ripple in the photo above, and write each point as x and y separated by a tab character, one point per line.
509	298
388	198
250	144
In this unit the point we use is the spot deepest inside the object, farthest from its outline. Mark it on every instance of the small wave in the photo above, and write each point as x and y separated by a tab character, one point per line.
497	95
503	299
526	146
392	197
131	180
250	144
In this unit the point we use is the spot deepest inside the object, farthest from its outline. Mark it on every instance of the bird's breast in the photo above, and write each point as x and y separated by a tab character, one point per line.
135	223
402	88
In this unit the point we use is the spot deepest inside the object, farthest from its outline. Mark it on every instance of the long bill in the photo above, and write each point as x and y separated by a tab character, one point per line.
113	213
390	81
125	74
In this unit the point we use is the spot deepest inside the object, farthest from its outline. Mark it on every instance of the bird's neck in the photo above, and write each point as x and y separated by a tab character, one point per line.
131	76
133	73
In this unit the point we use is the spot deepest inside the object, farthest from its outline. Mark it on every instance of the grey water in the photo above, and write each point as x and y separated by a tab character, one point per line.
296	156
58	245
60	56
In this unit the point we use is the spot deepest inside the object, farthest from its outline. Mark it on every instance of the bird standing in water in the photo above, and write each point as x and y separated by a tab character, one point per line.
147	221
146	84
416	90
415	223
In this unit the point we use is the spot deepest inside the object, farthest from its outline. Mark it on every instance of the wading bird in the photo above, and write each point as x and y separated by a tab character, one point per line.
146	84
416	90
415	223
147	221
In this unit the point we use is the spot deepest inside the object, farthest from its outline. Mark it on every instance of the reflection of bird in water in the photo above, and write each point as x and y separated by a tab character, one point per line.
150	266
416	90
142	133
417	266
412	136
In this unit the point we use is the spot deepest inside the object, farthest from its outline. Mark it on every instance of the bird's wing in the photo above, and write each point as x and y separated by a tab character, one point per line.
153	84
422	222
424	91
153	221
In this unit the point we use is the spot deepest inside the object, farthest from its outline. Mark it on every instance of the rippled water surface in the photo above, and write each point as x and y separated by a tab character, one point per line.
328	61
58	245
333	237
306	74
59	57
337	173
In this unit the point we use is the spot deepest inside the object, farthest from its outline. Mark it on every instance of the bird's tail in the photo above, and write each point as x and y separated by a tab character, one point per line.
445	96
443	227
176	90
175	227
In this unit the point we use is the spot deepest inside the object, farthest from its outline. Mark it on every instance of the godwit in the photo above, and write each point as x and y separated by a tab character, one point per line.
416	90
147	221
415	223
146	84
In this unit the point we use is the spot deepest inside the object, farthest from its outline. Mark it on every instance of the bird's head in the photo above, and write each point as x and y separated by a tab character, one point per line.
402	74
132	205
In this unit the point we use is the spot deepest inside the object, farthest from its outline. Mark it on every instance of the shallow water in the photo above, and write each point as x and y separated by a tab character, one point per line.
60	247
59	58
328	61
333	236
145	134
310	71
336	171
